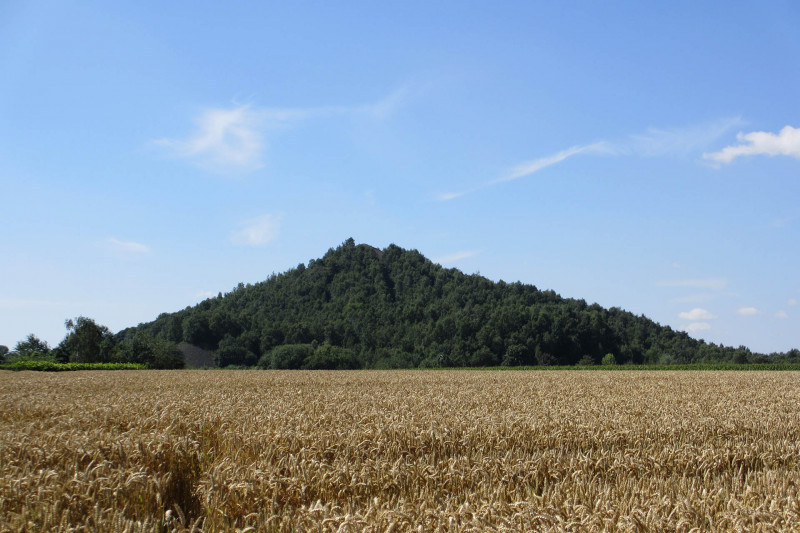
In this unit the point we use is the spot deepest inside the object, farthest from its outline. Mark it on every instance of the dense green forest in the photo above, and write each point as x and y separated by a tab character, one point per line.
362	307
91	345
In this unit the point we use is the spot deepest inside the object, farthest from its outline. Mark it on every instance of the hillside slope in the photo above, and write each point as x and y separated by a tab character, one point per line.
359	306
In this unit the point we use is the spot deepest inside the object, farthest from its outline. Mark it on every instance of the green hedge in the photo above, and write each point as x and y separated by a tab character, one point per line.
49	366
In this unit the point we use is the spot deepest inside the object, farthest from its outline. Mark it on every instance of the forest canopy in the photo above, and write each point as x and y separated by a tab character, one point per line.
362	307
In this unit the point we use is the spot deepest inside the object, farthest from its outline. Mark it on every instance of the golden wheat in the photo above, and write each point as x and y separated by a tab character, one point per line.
399	451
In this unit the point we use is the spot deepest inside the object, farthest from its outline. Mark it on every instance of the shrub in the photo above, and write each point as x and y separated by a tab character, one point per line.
328	357
609	359
286	356
232	351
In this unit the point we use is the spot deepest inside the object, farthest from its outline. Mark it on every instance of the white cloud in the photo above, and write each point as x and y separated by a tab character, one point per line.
654	142
748	311
202	295
127	247
389	104
697	314
526	169
781	314
453	195
786	142
231	140
456	256
694	298
676	141
706	283
226	140
792	302
698	326
257	231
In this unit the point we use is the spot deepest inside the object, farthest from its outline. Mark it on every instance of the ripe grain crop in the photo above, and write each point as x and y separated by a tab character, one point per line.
131	451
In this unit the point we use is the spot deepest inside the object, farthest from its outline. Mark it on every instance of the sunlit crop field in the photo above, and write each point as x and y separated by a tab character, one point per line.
399	451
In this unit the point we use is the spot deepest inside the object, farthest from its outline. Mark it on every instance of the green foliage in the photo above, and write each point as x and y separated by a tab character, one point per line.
286	357
394	308
394	358
327	357
87	342
51	366
197	331
609	360
30	349
515	355
151	352
3	352
233	351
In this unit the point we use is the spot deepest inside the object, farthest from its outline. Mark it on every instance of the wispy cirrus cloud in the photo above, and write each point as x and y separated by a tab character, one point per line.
697	283
389	104
697	326
785	142
126	247
684	141
695	298
526	169
224	141
748	311
257	231
203	295
697	314
456	256
233	140
651	143
698	317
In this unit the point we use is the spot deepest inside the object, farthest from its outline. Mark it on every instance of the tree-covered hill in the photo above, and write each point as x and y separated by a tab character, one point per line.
361	307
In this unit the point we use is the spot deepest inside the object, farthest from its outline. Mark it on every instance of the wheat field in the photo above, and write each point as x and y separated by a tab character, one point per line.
385	451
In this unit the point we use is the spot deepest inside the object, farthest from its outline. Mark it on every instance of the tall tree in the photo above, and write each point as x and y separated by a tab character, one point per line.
87	341
31	348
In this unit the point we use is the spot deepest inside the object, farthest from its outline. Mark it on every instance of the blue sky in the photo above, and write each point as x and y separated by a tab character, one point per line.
639	155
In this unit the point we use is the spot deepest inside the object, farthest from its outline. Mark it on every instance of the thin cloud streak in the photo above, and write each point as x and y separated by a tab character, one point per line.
456	256
694	298
203	295
698	326
232	140
226	140
257	231
786	142
119	246
526	169
676	141
697	314
708	284
654	142
748	311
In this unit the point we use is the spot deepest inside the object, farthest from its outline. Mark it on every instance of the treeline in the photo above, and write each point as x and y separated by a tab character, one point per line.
87	343
361	307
